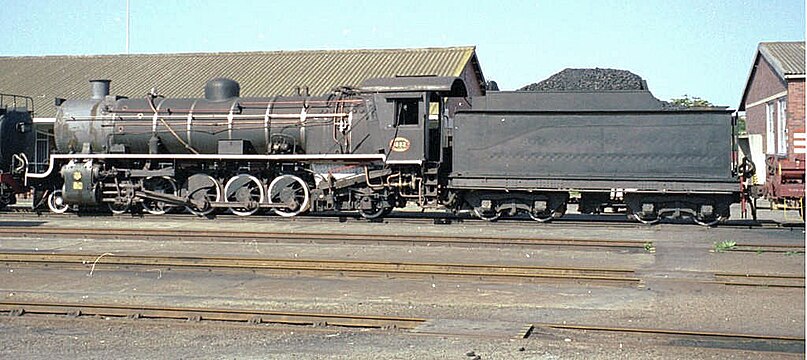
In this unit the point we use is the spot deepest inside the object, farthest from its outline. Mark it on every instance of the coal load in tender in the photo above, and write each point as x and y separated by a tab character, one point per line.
588	79
594	80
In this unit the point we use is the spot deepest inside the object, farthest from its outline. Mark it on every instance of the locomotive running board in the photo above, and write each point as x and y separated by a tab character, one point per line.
357	158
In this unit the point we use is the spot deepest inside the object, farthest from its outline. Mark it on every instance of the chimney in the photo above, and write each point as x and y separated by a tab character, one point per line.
99	88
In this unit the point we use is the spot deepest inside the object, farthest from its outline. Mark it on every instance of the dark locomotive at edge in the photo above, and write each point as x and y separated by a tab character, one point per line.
388	143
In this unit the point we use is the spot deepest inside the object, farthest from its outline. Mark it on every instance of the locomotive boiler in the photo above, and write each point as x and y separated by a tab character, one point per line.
154	124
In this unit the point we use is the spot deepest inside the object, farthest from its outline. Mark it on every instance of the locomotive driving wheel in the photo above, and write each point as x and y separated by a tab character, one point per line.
244	189
56	202
290	191
202	188
159	184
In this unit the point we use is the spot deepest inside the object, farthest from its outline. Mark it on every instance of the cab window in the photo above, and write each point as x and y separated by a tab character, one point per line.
406	111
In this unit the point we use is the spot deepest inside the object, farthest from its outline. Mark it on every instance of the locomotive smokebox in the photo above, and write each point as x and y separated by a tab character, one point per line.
220	89
99	88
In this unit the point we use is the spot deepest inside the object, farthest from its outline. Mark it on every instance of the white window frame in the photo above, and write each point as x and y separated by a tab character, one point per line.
770	133
781	127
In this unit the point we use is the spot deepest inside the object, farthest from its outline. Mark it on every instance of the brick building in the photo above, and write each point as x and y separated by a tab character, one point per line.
773	101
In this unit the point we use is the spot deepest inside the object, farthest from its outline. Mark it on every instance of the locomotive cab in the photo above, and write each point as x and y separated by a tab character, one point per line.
412	108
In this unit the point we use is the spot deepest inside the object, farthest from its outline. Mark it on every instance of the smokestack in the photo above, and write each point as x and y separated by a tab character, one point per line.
99	88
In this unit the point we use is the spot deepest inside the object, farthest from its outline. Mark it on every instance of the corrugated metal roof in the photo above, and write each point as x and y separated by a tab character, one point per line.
787	58
183	75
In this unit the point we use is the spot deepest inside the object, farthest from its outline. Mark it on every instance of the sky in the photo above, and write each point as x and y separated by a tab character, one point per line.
702	48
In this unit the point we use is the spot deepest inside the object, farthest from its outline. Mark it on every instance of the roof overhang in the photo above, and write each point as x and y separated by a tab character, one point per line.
748	82
445	85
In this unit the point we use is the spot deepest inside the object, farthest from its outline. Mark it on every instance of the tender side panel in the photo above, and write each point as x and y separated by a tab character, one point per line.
601	147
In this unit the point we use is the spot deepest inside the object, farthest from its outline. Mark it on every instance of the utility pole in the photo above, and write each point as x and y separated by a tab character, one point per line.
127	27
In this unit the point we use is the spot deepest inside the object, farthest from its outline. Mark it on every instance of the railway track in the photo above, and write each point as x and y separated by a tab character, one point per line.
341	267
358	238
253	316
761	280
93	262
411	325
528	331
681	337
768	248
259	236
616	220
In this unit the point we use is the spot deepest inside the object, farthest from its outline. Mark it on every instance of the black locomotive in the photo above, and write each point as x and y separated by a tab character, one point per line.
387	143
17	139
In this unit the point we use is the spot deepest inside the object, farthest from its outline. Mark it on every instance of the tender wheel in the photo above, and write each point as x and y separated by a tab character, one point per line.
160	184
707	221
542	217
487	215
202	188
290	191
646	220
547	216
244	189
56	202
118	209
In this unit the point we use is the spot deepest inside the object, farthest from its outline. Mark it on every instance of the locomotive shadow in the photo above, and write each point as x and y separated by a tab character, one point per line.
22	223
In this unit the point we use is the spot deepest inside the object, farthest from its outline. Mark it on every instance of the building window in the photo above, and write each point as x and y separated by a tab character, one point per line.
770	144
781	127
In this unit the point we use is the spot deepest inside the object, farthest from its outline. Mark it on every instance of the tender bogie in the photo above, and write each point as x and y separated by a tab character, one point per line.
703	209
540	206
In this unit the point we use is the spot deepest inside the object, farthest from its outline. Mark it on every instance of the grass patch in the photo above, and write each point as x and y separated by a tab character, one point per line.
649	247
725	245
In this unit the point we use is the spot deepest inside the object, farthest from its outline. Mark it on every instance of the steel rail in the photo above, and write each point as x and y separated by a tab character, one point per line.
664	332
339	266
767	248
610	221
253	316
96	233
761	280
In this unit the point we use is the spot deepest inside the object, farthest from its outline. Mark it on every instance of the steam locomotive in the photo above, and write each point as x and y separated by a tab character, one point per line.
385	144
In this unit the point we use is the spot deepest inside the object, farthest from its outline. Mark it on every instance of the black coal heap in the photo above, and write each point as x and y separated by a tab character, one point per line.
588	79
